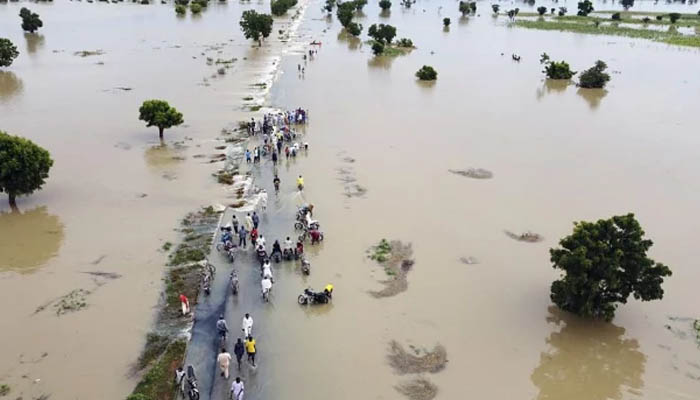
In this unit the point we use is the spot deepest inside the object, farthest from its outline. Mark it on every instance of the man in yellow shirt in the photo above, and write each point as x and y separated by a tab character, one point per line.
250	349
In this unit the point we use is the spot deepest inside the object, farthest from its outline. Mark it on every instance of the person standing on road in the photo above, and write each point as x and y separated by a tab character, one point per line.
237	389
242	234
249	222
256	220
238	350
234	221
250	348
247	325
224	359
222	326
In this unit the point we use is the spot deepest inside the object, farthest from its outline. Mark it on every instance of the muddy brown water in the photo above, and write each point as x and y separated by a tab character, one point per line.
558	154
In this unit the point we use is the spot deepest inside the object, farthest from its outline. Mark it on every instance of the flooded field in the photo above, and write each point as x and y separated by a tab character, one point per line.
382	146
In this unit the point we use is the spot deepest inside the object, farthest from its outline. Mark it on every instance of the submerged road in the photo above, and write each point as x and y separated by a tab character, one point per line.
275	224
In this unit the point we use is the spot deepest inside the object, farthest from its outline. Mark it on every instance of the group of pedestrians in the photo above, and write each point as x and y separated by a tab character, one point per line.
241	347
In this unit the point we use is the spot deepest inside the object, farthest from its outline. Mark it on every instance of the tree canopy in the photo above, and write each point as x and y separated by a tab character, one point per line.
345	12
30	21
256	26
159	113
382	33
426	73
8	52
556	70
24	166
585	7
603	263
354	28
384	4
627	4
594	77
280	7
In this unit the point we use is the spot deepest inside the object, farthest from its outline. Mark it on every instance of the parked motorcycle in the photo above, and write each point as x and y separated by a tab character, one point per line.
310	297
192	390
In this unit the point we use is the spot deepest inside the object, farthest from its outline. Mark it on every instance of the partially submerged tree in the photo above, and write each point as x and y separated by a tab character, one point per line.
562	11
382	33
256	26
426	73
30	21
585	7
446	22
159	113
594	77
542	10
359	4
180	9
24	166
627	4
556	70
196	8
513	13
603	263
495	8
405	43
377	47
345	12
328	6
674	17
354	28
384	4
280	7
8	52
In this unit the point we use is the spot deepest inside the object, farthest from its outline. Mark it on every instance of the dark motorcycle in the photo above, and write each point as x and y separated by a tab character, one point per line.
192	390
276	256
288	254
310	297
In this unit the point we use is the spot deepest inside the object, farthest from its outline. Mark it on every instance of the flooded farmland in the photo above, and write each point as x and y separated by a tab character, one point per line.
382	146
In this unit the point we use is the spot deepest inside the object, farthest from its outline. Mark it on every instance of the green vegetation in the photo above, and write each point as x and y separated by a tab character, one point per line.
556	70
329	6
404	42
196	8
280	7
495	8
603	263
155	346
594	77
345	12
159	113
24	166
167	246
360	4
8	52
588	28
562	11
380	253
384	4
470	7
354	29
180	9
186	254
256	26
4	390
158	382
585	7
542	10
377	47
446	22
513	13
615	17
30	21
426	73
627	4
382	33
674	17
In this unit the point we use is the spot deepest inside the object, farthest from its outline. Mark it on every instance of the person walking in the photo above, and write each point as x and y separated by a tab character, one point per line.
185	303
242	234
250	348
247	156
234	221
247	325
224	359
249	222
239	350
256	220
237	389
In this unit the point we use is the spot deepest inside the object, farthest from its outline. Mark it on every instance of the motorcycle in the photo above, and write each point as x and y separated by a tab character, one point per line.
234	282
206	284
310	297
262	255
305	266
192	390
288	254
277	187
277	256
306	234
301	225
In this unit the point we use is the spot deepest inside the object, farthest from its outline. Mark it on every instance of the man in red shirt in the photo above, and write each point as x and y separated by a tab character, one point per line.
185	303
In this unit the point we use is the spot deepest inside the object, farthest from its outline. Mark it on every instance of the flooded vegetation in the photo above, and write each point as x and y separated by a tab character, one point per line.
100	253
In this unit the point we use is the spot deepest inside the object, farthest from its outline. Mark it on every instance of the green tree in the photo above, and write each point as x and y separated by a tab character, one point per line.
464	8
256	26
446	22
382	33
377	47
426	73
345	12
603	263
159	113
280	7
495	8
405	42
556	70
23	166
360	4
384	4
585	7
674	17
542	10
196	8
472	6
627	4
594	77
329	6
180	9
562	11
354	28
513	13
615	16
30	21
8	52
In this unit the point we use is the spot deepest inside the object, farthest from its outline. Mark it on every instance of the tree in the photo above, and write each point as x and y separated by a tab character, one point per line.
585	7
360	4
30	21
345	12
354	28
256	26
196	8
464	8
382	33
513	13
23	166
556	70
542	10
674	17
377	47
180	9
562	11
472	6
384	4
594	77
405	42
646	20
8	52
627	4
280	7
159	113
603	263
329	6
495	8
446	22
426	73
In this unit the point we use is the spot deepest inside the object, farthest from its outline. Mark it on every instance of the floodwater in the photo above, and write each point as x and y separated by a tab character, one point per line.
557	153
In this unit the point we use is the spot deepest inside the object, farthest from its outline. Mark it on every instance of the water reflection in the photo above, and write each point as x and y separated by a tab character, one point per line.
353	42
35	41
552	86
383	62
162	156
592	96
29	239
587	360
10	85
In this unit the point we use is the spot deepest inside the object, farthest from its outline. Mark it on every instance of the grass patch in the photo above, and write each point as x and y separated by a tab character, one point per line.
224	177
625	19
248	98
154	347
4	389
167	246
186	254
648	14
255	108
158	382
380	253
658	36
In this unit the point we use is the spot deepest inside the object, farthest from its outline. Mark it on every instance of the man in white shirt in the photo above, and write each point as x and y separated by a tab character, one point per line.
237	389
247	325
224	359
266	285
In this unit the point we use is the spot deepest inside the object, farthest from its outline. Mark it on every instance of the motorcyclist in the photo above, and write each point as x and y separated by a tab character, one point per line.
276	182
266	284
328	290
288	244
267	270
300	248
276	248
261	241
221	326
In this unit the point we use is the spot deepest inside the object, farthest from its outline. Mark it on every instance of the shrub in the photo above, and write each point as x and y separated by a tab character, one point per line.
495	8
8	52
195	8
329	6
446	22
280	7
256	26
646	20
659	17
426	73
377	47
585	7
354	28
404	42
556	70
464	8
562	11
30	21
616	16
345	13
180	9
627	4
674	17
542	10
359	4
382	33
513	13
384	4
594	77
